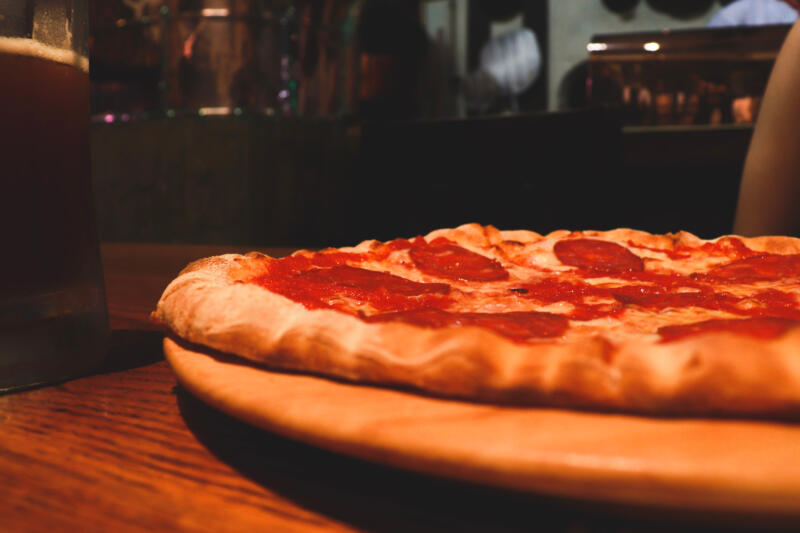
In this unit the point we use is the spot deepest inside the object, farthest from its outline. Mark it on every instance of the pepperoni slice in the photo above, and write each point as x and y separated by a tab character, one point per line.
653	297
371	280
762	327
318	288
443	258
597	255
519	325
767	267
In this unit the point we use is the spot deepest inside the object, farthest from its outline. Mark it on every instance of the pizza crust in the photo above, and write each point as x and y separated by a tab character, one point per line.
711	374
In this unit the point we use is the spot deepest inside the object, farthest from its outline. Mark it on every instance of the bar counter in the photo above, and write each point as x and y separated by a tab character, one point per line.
126	449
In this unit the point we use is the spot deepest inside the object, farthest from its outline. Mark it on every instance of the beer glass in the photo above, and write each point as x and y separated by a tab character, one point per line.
53	318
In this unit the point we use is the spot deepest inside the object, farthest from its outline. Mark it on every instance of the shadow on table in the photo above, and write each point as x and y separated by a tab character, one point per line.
384	499
131	349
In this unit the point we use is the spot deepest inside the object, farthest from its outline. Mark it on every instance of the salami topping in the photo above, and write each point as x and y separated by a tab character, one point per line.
321	287
661	292
597	255
767	267
762	328
517	326
371	280
335	279
550	291
443	258
653	297
576	319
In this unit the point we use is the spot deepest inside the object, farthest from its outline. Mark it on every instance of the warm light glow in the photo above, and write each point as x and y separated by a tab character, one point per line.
596	47
205	111
216	12
652	46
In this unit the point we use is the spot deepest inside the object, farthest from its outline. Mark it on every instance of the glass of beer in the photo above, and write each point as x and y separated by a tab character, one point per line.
53	318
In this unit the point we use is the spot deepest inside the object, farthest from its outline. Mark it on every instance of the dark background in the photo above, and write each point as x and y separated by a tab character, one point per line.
314	183
392	165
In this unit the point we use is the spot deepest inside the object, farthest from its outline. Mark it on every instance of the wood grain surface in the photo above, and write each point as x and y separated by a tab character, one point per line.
127	449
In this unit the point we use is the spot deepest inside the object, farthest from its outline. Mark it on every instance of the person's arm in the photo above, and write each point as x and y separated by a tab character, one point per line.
769	195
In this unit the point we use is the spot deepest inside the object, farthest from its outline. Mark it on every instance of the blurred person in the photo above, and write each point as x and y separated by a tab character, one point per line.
755	13
769	194
394	52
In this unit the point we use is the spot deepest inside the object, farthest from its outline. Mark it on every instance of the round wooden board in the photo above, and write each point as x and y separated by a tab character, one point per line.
688	464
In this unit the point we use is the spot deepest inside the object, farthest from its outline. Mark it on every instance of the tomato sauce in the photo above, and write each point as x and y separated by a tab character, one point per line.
762	328
516	325
331	278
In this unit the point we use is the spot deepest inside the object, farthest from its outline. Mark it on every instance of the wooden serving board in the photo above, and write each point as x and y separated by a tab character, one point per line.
687	464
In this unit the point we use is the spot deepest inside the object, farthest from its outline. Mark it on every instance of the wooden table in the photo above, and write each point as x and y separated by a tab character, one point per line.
127	449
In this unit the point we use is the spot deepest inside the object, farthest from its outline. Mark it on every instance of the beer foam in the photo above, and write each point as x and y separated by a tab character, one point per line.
28	47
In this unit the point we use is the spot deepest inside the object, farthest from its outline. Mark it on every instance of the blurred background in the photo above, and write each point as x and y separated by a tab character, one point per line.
326	122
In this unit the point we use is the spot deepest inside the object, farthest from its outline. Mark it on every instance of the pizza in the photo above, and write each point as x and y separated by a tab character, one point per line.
619	320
